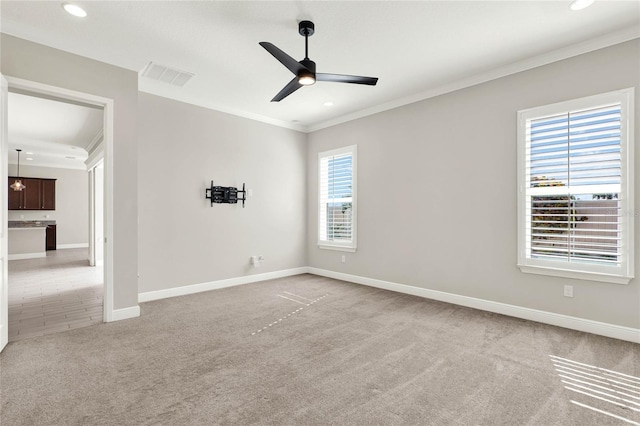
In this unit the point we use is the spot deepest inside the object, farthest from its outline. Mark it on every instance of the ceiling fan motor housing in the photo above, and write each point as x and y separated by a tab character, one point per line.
309	64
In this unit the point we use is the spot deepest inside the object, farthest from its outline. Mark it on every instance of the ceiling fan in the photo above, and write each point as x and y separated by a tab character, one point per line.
305	70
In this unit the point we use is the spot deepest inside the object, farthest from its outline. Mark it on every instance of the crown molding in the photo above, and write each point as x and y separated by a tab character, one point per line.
95	141
602	42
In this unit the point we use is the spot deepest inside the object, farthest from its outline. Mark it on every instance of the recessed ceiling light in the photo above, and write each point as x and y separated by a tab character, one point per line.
580	4
328	104
29	159
70	157
74	10
29	153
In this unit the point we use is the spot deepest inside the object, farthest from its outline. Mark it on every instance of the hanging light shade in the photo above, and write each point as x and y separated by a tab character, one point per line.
18	185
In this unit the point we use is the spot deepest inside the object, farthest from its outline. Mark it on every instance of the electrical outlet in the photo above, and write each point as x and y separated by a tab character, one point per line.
344	259
568	291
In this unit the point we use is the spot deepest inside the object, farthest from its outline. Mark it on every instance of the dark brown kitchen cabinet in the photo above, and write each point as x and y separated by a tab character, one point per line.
38	194
28	198
48	194
31	194
15	197
51	237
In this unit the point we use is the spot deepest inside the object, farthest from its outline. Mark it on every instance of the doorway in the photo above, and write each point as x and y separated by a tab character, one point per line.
101	159
55	286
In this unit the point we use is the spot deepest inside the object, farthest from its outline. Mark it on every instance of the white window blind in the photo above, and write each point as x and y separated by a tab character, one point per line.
336	215
576	188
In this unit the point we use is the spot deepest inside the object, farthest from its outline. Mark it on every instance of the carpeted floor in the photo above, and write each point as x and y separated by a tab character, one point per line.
308	350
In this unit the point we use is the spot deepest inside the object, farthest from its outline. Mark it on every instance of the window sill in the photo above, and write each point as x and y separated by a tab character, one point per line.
580	275
338	248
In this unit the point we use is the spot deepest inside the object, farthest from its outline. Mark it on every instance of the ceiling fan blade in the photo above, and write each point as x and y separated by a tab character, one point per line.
286	60
287	90
340	78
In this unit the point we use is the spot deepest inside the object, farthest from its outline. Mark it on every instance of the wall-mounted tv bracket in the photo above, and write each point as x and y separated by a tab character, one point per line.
225	194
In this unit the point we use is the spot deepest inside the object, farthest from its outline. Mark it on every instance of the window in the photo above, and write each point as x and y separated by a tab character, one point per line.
575	188
337	204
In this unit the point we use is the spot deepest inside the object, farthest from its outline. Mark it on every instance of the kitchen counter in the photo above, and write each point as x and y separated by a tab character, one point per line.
30	223
26	242
27	239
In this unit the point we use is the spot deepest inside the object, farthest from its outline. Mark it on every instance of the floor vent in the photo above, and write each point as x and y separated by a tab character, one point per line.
165	74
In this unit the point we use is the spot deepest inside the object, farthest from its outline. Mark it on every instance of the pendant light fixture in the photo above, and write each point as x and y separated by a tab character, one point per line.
18	185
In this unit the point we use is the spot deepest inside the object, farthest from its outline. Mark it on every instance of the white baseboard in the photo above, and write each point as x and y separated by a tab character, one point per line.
214	285
574	323
70	246
22	256
124	313
566	321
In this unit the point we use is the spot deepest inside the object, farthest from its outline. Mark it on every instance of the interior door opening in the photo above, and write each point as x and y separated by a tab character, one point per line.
75	279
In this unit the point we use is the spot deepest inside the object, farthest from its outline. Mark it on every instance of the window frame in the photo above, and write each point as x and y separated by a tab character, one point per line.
349	246
611	274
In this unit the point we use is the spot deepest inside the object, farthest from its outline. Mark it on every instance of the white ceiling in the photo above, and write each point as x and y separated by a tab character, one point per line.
51	133
417	48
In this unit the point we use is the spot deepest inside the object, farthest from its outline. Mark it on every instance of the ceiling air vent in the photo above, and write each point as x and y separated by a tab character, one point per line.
166	75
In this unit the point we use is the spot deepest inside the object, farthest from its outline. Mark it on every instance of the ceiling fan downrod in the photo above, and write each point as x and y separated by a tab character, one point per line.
306	29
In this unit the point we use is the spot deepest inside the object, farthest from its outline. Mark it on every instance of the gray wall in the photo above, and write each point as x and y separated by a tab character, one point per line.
183	239
35	62
437	190
72	203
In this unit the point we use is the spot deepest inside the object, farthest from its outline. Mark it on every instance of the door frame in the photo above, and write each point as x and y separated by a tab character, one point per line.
92	167
108	126
92	215
4	281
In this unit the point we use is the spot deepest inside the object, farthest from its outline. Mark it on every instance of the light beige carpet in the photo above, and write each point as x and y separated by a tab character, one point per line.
308	350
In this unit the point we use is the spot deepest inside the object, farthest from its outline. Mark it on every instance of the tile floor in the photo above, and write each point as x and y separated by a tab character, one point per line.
52	294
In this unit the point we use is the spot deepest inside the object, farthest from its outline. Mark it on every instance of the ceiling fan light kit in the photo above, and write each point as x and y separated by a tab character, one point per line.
305	70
